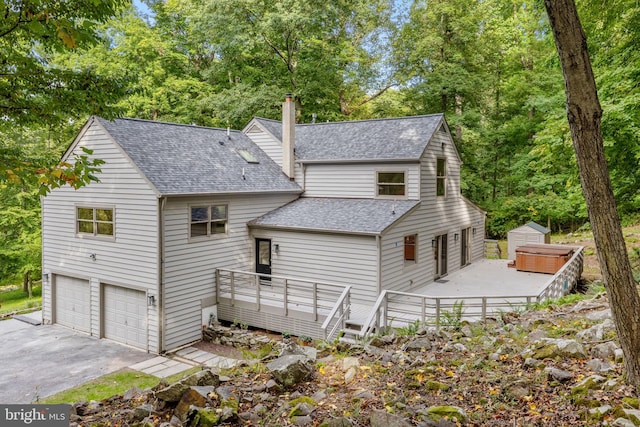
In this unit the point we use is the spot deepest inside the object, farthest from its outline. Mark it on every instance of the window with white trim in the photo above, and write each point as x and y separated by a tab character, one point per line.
391	184
94	221
208	220
410	246
441	177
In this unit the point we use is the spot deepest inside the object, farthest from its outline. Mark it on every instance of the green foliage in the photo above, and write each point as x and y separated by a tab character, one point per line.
490	66
18	300
452	318
408	330
105	386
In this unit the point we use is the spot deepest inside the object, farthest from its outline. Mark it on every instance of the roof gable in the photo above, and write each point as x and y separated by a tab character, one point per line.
274	127
182	159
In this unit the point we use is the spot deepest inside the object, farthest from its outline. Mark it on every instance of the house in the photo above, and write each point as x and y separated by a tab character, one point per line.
530	233
371	204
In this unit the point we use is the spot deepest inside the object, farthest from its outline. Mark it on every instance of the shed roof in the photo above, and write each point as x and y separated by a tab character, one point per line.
183	159
358	216
533	225
401	138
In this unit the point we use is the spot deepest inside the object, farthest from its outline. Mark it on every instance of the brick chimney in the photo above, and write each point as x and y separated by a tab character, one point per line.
288	136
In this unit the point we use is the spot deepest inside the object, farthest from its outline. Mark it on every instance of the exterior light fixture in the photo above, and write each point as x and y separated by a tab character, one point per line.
433	243
455	237
277	248
151	300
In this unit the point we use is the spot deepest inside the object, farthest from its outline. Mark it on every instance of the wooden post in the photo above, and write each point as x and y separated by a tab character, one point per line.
437	314
258	293
286	298
217	285
232	284
315	301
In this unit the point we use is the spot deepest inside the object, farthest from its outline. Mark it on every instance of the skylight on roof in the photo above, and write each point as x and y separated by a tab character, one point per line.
247	156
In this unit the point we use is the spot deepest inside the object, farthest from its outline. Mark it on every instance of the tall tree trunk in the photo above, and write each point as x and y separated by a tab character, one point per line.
584	113
25	282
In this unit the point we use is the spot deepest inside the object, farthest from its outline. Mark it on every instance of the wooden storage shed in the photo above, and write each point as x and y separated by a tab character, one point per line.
528	234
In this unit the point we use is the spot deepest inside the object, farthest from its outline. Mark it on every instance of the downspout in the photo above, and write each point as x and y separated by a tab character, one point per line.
304	176
379	247
163	202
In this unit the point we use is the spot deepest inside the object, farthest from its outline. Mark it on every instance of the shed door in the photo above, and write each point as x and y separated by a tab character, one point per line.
72	303
263	258
125	316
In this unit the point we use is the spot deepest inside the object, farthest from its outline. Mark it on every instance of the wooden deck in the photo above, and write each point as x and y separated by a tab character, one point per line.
300	307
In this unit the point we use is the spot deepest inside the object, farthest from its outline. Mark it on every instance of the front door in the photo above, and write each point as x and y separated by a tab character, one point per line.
440	255
263	258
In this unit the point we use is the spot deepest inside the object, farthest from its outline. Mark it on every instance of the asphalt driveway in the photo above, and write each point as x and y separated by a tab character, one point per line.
38	361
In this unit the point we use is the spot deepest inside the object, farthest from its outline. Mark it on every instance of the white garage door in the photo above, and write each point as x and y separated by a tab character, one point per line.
72	303
125	316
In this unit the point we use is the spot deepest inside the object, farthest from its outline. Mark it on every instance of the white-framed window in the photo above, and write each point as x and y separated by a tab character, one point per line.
441	177
208	220
95	221
411	249
391	183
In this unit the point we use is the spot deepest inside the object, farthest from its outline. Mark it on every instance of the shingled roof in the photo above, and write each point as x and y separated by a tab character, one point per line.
402	138
359	216
183	159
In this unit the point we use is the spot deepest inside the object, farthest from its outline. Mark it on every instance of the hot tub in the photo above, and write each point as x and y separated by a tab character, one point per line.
542	258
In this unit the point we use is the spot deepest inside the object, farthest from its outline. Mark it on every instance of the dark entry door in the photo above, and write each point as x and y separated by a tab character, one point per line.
440	256
263	258
465	248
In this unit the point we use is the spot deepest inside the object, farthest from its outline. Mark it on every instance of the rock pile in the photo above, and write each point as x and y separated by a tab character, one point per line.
539	368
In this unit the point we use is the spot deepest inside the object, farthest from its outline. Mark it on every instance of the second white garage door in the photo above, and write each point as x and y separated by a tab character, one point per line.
125	316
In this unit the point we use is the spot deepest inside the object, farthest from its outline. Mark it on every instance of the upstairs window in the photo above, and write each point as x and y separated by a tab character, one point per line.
441	177
94	221
410	248
391	184
208	220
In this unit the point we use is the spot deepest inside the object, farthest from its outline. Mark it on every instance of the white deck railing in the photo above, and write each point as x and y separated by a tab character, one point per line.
327	302
398	309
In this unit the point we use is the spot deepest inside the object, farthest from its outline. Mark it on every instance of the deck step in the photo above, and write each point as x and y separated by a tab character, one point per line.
353	332
353	324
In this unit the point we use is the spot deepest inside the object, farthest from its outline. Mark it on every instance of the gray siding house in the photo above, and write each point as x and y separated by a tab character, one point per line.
135	258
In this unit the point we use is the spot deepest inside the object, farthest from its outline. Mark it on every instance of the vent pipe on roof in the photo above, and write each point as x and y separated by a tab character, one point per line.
288	136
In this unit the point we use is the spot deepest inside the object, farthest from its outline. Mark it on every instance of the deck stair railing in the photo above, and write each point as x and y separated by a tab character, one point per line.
399	309
336	320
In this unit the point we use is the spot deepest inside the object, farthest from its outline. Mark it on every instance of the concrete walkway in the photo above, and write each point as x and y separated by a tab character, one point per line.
182	360
207	359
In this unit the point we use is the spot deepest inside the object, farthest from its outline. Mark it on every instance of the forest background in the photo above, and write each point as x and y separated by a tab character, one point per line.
490	66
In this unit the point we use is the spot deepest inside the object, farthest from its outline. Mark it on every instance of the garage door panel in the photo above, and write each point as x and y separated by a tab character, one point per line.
125	315
72	303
